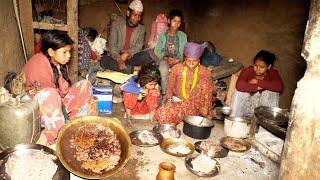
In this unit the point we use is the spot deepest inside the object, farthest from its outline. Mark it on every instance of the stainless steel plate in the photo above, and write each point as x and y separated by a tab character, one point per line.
162	128
221	153
176	141
136	141
20	149
189	166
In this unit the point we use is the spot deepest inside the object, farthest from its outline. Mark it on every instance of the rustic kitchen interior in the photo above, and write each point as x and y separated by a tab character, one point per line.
273	143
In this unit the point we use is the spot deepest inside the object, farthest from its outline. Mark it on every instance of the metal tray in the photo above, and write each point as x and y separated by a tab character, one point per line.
136	141
218	154
240	142
162	128
61	172
67	156
175	141
189	166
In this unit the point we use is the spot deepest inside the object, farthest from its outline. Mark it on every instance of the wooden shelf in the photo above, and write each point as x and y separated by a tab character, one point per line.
48	26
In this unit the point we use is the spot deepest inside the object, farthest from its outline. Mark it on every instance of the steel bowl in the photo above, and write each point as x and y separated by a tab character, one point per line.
20	149
162	128
272	115
225	110
197	127
166	143
67	156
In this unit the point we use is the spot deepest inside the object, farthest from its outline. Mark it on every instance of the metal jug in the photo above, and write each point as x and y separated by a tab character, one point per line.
19	122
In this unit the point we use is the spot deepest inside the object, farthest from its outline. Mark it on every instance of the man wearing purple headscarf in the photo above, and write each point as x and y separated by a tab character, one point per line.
190	83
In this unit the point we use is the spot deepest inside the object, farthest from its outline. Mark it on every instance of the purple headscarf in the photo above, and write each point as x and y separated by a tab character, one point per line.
194	50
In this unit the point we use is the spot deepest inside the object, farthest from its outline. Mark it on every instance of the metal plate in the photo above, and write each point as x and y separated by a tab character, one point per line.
189	166
241	143
223	152
176	141
162	128
136	141
19	149
272	115
67	155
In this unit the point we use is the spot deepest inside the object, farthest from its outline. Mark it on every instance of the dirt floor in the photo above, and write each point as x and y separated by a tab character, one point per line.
237	28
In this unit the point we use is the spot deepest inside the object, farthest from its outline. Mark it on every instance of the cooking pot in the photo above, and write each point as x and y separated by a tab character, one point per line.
237	127
20	122
197	127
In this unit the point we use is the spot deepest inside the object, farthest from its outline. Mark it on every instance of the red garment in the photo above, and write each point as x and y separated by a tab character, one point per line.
37	48
272	81
129	31
147	105
199	102
93	55
39	75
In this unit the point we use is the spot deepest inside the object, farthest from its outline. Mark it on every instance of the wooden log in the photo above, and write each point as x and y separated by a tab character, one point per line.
25	14
72	21
301	153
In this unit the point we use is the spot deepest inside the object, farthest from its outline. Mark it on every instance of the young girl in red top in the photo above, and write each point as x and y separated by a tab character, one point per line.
141	93
47	80
257	85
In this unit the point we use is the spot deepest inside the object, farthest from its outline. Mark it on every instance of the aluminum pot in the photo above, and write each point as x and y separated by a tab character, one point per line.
20	122
237	127
197	127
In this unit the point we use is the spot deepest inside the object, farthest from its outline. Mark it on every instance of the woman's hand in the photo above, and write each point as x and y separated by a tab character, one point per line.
253	81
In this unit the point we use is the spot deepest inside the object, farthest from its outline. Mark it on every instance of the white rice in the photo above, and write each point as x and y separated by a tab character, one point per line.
38	166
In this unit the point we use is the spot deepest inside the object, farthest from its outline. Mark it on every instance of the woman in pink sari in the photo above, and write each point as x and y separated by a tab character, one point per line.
47	80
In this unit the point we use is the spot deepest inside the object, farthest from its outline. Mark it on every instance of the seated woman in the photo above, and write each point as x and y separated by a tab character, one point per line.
47	80
190	82
141	93
170	45
257	85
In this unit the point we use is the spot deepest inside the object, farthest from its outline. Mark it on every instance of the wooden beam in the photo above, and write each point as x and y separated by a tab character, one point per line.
25	13
72	21
48	26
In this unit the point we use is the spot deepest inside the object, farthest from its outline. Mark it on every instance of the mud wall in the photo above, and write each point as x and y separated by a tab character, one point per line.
11	54
239	29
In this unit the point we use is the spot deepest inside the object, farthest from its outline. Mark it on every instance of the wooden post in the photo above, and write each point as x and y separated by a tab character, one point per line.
301	153
72	21
25	14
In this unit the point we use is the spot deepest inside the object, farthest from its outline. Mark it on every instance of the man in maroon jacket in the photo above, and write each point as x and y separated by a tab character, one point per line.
257	85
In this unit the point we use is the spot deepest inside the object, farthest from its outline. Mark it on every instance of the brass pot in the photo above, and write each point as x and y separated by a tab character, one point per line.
67	158
166	171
